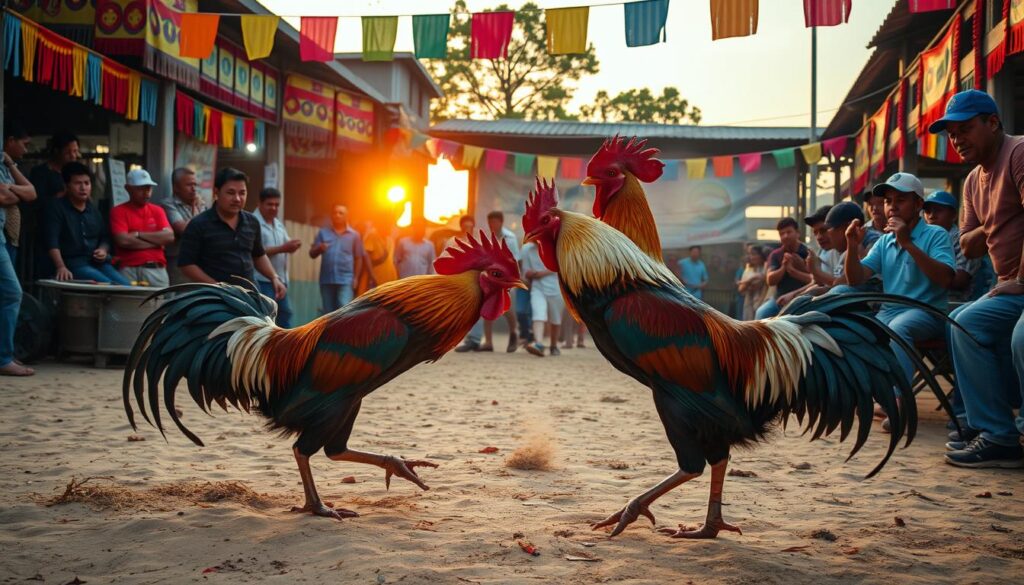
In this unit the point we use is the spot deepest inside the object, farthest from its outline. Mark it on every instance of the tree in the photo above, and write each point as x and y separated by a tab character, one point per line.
529	84
641	105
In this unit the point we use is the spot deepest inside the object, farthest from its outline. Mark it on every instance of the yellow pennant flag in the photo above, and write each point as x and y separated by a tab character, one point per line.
258	34
695	168
471	156
227	130
547	166
811	152
567	30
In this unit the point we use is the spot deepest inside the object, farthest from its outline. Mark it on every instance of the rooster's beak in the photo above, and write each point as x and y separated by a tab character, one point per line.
589	181
530	237
520	284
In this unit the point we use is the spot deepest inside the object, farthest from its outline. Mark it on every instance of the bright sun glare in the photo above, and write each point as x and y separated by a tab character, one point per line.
447	192
396	194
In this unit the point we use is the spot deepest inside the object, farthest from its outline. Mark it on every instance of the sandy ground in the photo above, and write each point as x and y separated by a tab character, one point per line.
67	422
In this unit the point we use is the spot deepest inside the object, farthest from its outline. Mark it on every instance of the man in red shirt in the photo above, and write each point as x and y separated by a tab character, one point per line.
140	231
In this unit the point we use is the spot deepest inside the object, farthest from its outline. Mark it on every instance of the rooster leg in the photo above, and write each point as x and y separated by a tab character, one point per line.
714	523
640	505
313	503
397	466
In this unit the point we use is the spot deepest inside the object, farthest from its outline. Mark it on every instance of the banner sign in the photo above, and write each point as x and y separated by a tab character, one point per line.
354	121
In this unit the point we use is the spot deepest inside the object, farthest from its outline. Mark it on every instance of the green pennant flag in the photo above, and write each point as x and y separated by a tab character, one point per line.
379	33
524	163
784	157
430	35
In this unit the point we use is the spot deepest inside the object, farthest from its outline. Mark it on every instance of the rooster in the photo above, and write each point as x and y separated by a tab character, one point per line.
717	382
310	381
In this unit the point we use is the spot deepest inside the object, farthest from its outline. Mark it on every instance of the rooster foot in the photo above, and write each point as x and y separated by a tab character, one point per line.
710	529
405	469
626	516
326	510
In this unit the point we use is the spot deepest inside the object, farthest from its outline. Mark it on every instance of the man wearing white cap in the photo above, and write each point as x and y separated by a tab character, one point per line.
140	231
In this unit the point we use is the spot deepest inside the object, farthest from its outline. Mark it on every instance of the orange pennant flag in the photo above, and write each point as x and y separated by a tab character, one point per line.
198	32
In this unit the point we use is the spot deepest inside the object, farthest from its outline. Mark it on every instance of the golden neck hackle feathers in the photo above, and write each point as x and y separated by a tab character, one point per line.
629	212
594	255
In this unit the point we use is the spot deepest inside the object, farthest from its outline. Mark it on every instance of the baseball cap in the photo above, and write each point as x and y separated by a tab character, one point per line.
941	198
139	178
844	212
818	216
904	182
964	106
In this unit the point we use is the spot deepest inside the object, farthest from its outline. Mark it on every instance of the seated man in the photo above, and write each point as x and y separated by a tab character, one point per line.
787	267
838	219
140	231
820	265
915	260
940	210
75	234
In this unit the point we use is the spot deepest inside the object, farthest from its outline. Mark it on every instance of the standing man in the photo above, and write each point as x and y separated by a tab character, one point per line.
75	236
278	245
342	249
223	243
787	267
140	231
496	221
990	370
693	273
49	184
414	255
12	182
546	302
915	260
185	203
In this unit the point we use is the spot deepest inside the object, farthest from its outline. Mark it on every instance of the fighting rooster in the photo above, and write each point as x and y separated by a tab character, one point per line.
310	381
718	382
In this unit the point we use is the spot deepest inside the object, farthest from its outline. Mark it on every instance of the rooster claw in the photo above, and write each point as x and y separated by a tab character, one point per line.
626	516
710	529
325	510
405	469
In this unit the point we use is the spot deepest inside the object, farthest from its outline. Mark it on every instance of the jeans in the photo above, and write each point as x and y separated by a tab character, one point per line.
335	296
767	309
990	373
523	312
10	304
912	325
105	273
12	251
284	308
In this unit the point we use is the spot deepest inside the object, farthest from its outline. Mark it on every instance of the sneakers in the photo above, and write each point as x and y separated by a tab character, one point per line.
968	435
536	349
981	453
513	343
956	445
554	351
467	346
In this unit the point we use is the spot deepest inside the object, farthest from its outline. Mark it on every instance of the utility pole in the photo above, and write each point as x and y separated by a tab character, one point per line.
813	170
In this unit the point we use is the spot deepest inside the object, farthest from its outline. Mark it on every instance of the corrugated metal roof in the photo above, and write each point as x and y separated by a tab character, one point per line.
605	129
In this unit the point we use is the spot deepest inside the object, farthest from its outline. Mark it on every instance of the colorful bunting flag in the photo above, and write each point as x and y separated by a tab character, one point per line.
471	156
733	18
784	157
198	32
524	164
940	72
879	132
835	147
316	38
496	160
826	12
750	162
379	33
567	30
258	32
547	166
861	160
695	168
490	33
811	152
722	166
572	168
671	171
448	148
430	35
930	5
645	22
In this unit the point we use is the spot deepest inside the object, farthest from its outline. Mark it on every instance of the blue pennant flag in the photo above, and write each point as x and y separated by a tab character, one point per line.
645	22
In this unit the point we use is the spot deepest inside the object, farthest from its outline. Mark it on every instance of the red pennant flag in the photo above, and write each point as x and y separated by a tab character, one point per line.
572	168
722	166
490	33
930	5
495	160
198	32
316	38
750	162
826	12
835	147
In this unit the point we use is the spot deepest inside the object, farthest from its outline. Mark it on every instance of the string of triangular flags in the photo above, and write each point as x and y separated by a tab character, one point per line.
645	23
574	168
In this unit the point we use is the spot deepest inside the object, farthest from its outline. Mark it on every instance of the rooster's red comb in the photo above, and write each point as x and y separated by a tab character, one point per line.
631	155
472	254
538	202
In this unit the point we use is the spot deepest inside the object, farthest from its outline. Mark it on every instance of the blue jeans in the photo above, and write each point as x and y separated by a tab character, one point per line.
767	309
335	296
10	304
912	325
521	302
284	308
12	251
105	273
990	373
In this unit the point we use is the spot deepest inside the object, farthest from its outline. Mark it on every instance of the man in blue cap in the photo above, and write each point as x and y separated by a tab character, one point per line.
915	260
940	210
989	372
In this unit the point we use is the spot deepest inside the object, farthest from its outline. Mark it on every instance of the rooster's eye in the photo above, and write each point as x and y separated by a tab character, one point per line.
546	220
496	274
612	172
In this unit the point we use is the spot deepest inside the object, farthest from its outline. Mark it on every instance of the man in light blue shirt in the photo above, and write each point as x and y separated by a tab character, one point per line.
693	273
278	245
342	249
914	259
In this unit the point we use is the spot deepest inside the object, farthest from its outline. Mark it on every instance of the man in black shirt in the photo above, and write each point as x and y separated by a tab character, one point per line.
223	243
787	267
74	233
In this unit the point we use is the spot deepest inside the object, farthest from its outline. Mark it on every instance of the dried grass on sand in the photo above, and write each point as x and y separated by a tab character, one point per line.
536	455
102	493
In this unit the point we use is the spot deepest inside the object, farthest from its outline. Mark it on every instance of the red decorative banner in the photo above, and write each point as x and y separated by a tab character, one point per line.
861	160
879	123
939	77
490	33
316	38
